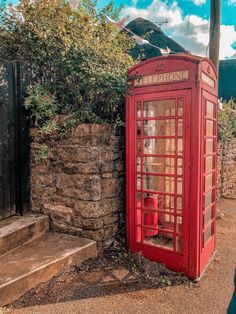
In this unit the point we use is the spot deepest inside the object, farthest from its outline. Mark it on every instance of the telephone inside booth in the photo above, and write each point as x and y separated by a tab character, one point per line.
171	125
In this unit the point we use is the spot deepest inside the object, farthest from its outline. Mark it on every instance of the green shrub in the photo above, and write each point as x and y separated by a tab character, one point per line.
42	105
78	60
227	121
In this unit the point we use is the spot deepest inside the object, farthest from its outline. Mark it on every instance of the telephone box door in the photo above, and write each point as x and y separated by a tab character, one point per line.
158	179
209	166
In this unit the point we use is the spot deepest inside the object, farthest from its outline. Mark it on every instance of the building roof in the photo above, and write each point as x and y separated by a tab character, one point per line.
155	36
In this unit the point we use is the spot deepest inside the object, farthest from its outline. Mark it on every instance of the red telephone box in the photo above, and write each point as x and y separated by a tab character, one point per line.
171	161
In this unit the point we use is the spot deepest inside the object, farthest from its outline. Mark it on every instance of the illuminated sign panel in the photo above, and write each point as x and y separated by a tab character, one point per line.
162	78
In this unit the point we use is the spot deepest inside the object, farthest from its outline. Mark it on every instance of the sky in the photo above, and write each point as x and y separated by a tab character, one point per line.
188	21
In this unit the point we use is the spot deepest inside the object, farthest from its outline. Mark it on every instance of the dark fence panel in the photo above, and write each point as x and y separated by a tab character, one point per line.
7	140
14	143
23	164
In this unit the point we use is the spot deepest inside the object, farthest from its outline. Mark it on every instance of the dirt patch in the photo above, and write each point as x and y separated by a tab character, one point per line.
117	272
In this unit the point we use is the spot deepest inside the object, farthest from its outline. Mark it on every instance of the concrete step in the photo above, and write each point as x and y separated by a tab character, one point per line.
17	230
38	261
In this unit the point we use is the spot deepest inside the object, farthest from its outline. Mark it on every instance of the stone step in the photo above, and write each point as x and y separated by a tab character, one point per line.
17	230
38	261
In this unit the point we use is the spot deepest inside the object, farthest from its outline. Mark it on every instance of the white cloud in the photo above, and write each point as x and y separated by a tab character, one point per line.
196	37
228	37
198	28
232	2
157	10
200	2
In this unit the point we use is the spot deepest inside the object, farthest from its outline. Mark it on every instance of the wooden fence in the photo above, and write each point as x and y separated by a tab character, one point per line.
14	141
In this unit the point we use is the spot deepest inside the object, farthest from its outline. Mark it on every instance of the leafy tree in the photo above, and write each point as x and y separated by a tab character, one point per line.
79	58
2	7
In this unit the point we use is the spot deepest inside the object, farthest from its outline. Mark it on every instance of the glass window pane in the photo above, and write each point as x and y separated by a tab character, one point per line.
138	164
179	185
139	128
180	107
207	233
210	128
179	244
179	204
180	127
159	127
138	234
138	182
159	146
159	108
139	202
156	183
138	144
168	203
179	224
180	166
209	146
180	146
210	109
209	164
169	184
151	220
208	216
161	239
166	222
150	201
159	165
139	109
208	181
139	217
159	221
208	198
162	203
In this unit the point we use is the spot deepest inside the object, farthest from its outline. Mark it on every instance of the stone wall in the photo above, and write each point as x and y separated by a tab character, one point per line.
81	183
226	181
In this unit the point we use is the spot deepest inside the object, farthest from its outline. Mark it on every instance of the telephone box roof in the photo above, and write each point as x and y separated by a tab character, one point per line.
185	57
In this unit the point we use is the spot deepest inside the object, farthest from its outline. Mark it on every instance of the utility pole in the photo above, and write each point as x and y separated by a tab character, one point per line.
214	45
